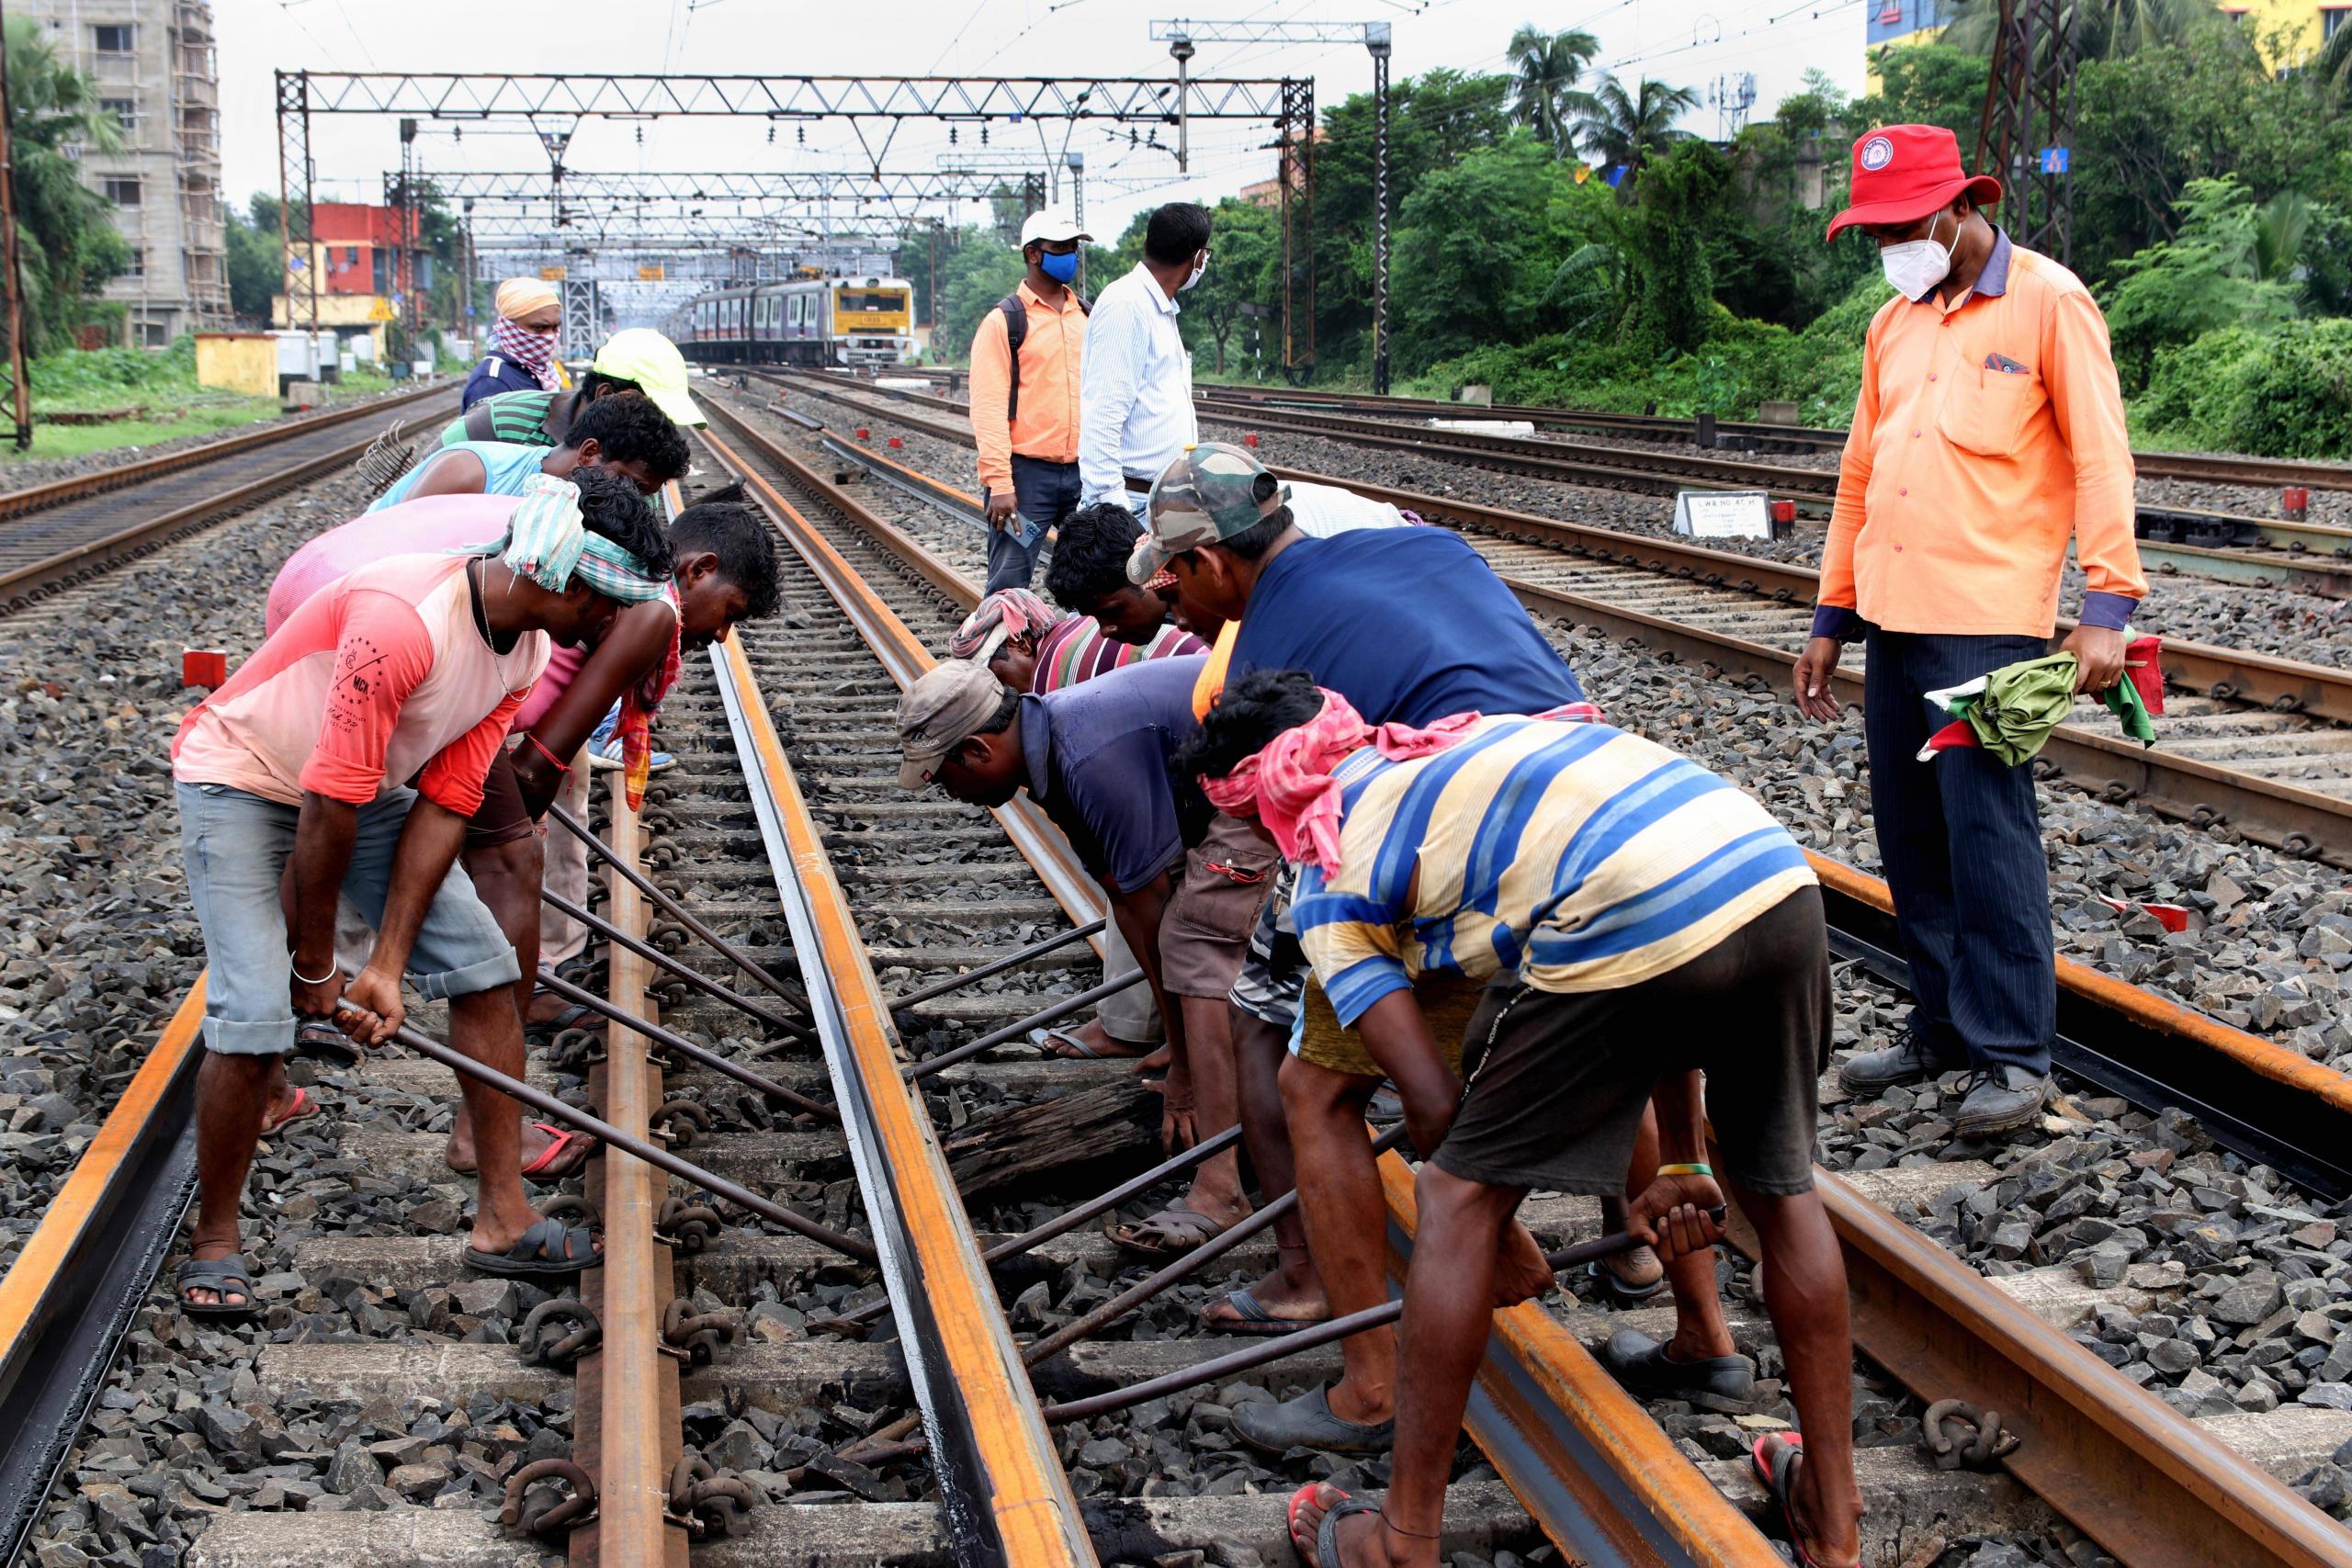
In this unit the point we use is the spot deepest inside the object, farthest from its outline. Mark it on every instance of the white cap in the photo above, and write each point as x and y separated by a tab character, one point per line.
1050	223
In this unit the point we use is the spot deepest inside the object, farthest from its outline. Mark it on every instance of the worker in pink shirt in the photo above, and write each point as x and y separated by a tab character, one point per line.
292	785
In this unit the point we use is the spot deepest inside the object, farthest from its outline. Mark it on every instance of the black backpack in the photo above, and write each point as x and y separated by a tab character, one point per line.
1016	333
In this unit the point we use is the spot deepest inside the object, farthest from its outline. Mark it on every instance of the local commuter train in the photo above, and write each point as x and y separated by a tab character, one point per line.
814	321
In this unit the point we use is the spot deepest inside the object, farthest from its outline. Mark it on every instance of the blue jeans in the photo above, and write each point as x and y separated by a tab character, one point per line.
1961	839
235	845
1046	493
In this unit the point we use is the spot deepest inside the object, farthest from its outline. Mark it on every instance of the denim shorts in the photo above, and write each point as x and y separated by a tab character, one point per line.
234	845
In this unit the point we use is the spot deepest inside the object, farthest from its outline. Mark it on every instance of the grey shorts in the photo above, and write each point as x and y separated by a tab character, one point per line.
235	845
1557	1080
1205	929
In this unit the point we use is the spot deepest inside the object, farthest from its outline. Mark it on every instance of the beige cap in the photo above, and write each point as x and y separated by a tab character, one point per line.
939	712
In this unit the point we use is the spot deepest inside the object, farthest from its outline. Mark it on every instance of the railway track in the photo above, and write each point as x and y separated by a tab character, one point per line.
55	535
1757	436
781	831
2256	742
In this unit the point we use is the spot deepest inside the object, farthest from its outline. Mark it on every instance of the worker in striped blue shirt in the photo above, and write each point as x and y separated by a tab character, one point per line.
1641	921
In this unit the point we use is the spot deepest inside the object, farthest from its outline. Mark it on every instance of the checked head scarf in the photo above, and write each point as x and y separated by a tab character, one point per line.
528	350
1289	787
1005	614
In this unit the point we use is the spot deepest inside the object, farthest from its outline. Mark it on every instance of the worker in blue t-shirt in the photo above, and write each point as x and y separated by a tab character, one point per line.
1411	626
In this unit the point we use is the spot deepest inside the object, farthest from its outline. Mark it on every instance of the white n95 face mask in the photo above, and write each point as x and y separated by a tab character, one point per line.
1917	266
1198	268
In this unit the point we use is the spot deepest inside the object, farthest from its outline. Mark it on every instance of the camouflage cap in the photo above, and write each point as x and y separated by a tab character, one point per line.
1209	494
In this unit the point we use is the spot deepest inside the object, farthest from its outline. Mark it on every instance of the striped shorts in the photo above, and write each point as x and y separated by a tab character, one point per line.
1274	974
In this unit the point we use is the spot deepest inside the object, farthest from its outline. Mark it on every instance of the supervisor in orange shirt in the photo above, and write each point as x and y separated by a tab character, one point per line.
1026	360
1988	434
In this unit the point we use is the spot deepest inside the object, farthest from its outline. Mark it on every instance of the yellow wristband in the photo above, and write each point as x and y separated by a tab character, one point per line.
1691	1168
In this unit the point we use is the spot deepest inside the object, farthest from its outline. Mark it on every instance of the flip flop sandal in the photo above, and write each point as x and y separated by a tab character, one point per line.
1051	1040
1778	1473
560	1140
1182	1230
1251	1318
1307	1422
222	1276
301	1108
1327	1539
548	1247
325	1042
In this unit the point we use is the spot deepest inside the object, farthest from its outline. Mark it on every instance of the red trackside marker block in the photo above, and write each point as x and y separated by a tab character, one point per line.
1250	439
895	444
2295	502
204	667
1784	512
861	433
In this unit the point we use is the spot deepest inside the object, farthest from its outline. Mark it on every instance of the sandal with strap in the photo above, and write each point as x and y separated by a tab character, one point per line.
547	1247
301	1108
1774	1458
1251	1317
223	1277
567	1151
1180	1230
1327	1537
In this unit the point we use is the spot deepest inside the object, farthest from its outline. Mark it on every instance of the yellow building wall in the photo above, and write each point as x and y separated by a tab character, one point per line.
238	362
2288	30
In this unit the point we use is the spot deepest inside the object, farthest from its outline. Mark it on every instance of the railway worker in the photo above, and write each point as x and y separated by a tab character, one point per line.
1135	384
1988	432
1642	920
1184	884
1024	399
1040	651
522	344
722	564
1221	527
294	775
628	436
638	361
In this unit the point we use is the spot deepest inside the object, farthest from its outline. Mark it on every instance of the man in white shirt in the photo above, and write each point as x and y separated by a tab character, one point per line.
1136	382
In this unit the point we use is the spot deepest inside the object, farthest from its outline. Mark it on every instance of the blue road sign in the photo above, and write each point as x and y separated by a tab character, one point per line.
2053	160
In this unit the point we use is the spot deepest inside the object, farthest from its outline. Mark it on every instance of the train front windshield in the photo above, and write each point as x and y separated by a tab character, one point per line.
871	309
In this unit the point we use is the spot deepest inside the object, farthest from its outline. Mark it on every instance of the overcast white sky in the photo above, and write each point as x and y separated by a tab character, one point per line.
1687	42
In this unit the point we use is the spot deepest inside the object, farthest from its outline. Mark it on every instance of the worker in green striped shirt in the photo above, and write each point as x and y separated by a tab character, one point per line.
638	360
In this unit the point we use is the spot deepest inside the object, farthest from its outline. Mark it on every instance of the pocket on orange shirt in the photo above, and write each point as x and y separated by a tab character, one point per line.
1988	416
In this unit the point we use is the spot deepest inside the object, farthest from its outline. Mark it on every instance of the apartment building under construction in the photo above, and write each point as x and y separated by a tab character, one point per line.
153	62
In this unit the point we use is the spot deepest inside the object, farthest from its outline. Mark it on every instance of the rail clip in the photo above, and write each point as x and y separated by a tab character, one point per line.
553	1518
1956	1435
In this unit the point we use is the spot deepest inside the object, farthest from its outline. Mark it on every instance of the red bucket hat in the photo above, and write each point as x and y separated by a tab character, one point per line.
1902	172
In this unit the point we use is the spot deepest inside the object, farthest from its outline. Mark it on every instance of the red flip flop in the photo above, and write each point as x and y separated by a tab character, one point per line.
560	1139
1775	1475
301	1108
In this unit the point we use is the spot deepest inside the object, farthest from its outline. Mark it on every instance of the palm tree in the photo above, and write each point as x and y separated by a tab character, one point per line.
1545	67
2332	65
1625	128
64	230
2104	30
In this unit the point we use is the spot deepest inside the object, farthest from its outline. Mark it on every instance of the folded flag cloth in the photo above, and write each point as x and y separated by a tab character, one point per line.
2011	711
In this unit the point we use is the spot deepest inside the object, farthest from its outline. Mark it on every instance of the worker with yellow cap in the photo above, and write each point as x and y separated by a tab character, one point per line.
522	344
638	360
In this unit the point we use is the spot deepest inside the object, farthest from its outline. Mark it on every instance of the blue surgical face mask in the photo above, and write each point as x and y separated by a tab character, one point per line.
1060	268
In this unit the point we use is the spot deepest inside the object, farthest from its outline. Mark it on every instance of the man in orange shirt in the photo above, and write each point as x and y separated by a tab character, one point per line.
1989	431
1026	359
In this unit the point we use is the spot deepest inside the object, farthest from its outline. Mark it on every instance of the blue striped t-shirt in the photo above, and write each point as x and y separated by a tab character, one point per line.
506	468
1577	856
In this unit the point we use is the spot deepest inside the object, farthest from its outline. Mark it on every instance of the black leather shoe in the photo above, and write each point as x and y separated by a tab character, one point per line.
1720	1383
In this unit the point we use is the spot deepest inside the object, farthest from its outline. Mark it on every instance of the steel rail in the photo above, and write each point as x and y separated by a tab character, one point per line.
2144	1480
669	1040
40	497
638	947
1655	1508
71	1295
901	651
2268	1102
627	1432
2282	816
1006	1497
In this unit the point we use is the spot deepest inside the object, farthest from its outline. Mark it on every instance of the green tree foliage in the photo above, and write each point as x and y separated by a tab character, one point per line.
974	273
256	257
1667	250
1480	243
66	239
1244	279
1545	68
2227	268
1626	130
2104	30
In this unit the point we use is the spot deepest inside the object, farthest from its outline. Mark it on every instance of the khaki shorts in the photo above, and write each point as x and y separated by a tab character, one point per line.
1204	933
1448	1001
